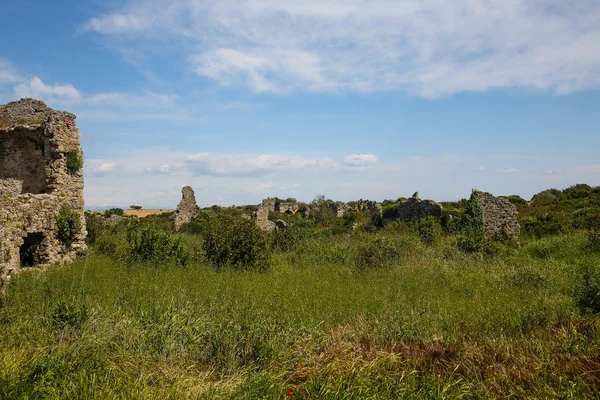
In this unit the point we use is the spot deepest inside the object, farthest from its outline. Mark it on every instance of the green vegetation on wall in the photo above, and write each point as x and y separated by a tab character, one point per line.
68	225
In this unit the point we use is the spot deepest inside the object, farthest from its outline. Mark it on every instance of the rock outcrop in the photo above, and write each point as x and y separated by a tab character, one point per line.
187	208
40	172
414	209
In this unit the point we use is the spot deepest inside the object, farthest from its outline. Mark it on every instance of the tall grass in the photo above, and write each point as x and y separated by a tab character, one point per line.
427	321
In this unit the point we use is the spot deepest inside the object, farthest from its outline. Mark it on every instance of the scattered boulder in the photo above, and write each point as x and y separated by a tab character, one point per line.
187	208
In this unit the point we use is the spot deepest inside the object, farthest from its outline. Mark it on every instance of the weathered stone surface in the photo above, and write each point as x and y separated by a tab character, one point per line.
35	183
339	208
288	208
187	208
369	206
114	219
500	217
415	209
262	214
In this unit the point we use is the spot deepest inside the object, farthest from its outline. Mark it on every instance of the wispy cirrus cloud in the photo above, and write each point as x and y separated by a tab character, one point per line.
426	47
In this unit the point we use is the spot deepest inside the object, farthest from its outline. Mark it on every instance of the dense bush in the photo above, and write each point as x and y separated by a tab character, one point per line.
516	199
377	252
94	226
594	238
578	191
237	243
286	240
114	211
540	226
68	225
147	242
547	196
429	230
587	293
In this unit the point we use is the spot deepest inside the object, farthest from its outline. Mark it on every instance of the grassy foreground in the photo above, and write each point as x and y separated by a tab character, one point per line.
437	323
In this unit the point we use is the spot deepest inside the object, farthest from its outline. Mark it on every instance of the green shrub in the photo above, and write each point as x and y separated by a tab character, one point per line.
377	252
74	161
146	242
286	240
193	228
237	243
114	211
578	191
65	314
68	225
594	238
587	293
540	226
547	196
515	199
429	230
94	226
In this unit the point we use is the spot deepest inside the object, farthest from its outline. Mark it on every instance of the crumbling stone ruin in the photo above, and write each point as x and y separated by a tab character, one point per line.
500	216
187	208
369	207
40	173
339	208
262	214
288	208
414	209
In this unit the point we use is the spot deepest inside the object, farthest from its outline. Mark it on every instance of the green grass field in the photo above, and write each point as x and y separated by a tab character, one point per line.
432	322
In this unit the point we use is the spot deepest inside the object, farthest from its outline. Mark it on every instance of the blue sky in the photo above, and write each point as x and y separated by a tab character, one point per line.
351	99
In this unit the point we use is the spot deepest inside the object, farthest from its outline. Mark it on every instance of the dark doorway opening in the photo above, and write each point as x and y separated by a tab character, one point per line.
30	250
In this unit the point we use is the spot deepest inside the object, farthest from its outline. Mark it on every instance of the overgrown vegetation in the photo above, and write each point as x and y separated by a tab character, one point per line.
74	161
236	243
68	225
338	310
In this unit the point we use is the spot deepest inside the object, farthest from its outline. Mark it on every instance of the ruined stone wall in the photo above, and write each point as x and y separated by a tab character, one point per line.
500	217
289	208
262	214
369	206
414	209
35	181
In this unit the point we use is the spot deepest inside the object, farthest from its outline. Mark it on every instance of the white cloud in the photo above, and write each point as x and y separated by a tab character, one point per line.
244	164
7	73
38	89
104	168
427	47
361	160
507	170
154	177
